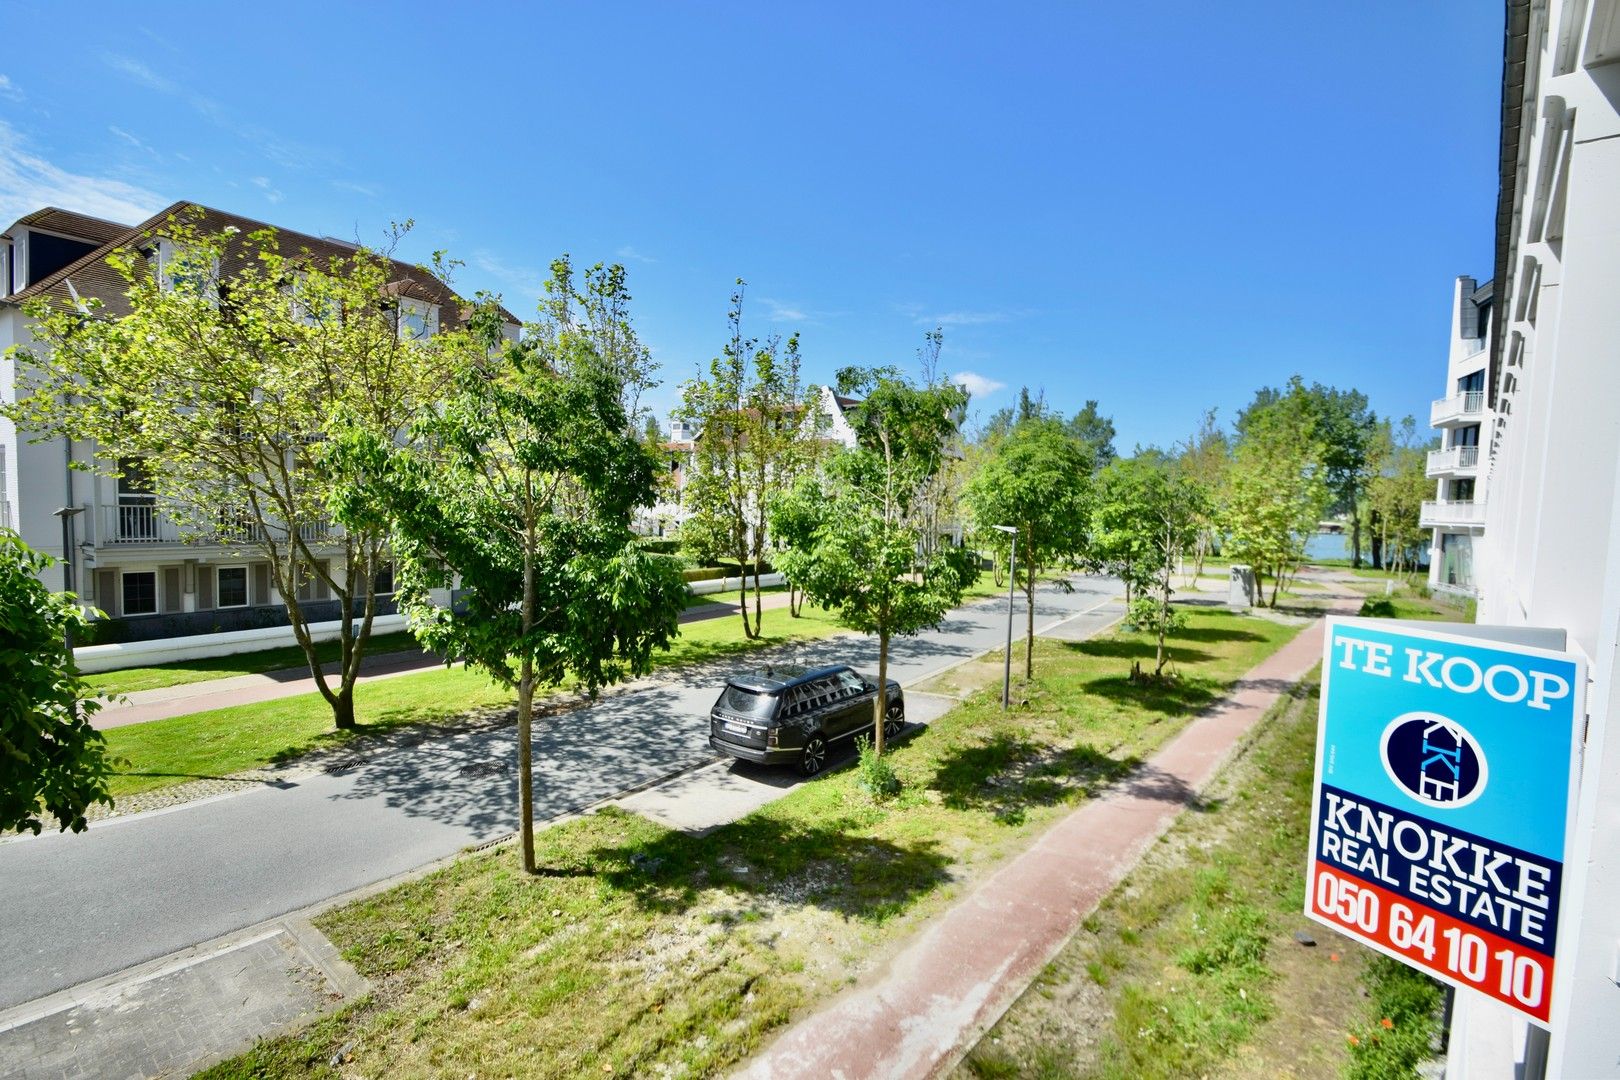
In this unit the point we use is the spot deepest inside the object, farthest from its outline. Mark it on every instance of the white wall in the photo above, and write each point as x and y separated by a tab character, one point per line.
1549	556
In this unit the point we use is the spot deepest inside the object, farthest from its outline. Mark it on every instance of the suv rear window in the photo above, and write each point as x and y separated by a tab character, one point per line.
744	702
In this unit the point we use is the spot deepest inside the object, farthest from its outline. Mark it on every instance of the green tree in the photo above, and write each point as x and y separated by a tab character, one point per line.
1397	492
1169	509
1205	458
1122	543
1345	428
218	389
520	486
758	428
52	762
1037	480
1276	490
853	539
1096	432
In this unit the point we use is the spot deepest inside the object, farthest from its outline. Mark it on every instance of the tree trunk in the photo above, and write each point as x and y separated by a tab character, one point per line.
1198	563
795	601
759	623
881	705
343	707
1164	604
526	713
1355	539
1029	622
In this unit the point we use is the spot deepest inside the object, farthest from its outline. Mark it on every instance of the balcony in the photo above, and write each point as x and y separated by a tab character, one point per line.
1436	515
1456	461
135	521
1465	408
5	515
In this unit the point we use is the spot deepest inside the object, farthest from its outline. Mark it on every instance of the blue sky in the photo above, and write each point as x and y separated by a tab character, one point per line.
1160	208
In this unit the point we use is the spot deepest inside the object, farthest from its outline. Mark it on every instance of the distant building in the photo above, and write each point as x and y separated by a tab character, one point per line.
1457	513
124	554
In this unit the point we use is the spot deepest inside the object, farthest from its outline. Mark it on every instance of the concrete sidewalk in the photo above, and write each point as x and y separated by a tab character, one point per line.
166	701
950	984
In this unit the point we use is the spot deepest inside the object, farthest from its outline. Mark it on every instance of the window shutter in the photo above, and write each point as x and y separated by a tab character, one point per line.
107	592
205	587
261	583
322	591
171	588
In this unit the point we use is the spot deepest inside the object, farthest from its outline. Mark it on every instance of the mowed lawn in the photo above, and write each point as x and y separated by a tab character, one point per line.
282	658
641	951
224	741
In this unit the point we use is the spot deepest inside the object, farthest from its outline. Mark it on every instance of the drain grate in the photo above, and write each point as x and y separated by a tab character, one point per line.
342	765
484	768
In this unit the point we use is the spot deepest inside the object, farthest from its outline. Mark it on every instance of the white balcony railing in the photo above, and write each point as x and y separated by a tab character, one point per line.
1454	460
136	522
1465	406
140	522
5	515
1437	514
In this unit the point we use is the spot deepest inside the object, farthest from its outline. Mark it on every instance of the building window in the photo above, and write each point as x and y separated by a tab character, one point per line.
383	582
417	320
232	586
140	593
1457	560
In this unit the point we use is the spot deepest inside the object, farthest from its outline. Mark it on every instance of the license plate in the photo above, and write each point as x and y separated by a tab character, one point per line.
737	729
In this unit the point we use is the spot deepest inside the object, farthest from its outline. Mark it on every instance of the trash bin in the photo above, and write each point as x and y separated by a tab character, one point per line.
1240	589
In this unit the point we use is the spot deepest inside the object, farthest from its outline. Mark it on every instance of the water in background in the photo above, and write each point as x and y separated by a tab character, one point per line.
1325	545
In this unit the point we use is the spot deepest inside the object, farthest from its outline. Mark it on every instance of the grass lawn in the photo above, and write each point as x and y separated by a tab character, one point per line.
1190	968
640	951
129	680
223	741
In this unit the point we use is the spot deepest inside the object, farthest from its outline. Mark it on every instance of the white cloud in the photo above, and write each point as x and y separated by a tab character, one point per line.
270	191
29	182
631	254
8	89
127	137
777	311
359	189
963	318
525	282
977	385
283	152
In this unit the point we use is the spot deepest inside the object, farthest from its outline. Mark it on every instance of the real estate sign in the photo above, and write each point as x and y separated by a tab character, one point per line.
1445	772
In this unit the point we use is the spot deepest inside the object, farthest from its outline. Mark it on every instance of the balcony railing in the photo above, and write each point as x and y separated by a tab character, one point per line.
1465	406
1456	459
5	515
140	522
1436	514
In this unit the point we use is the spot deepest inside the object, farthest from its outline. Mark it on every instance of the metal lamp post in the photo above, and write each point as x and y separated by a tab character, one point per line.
1012	567
67	514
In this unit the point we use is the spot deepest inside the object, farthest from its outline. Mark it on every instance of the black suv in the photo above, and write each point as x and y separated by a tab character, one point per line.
794	718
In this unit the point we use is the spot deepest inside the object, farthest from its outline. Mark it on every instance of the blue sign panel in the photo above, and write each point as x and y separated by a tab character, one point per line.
1445	770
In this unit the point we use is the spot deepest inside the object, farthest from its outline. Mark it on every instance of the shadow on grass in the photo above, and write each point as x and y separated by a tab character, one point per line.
768	860
1125	649
1175	697
405	726
1009	774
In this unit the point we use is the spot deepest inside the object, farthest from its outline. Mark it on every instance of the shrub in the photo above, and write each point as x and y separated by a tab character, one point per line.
704	573
874	774
1377	607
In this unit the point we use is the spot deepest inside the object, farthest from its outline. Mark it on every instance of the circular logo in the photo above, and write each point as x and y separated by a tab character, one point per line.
1433	759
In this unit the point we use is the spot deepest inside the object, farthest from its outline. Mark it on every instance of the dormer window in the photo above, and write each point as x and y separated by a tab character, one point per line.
181	271
417	320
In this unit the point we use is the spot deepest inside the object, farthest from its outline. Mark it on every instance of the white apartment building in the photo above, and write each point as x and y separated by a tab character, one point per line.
1457	512
121	553
1549	555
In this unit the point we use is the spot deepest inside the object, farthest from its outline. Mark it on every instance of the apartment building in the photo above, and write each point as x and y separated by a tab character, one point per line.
1548	555
1457	512
117	548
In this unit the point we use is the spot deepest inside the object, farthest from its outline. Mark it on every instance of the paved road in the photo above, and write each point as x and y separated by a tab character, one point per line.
133	889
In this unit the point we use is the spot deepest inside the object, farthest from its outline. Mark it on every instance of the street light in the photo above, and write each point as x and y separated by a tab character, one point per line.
67	514
1012	567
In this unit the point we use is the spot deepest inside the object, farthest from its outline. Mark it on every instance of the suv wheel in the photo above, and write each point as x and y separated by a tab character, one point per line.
815	756
892	726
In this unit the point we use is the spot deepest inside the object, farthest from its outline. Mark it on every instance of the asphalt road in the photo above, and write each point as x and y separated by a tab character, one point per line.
133	889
